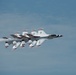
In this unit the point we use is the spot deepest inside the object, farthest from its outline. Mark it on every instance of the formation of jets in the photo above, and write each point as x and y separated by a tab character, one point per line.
33	39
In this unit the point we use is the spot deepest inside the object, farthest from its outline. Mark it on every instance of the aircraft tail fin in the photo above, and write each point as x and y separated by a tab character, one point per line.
41	32
34	33
24	33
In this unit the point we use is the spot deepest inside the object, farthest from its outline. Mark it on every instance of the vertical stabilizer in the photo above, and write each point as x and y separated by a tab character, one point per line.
41	32
34	33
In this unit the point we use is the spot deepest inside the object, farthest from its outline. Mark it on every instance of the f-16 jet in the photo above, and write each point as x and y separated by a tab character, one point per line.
33	39
39	37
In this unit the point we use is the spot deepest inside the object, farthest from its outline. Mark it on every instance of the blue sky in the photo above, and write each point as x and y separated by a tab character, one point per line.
54	57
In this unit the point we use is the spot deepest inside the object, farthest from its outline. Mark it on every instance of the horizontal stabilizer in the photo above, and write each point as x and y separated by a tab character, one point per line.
5	38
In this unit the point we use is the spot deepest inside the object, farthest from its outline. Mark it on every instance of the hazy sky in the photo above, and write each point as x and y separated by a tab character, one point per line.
54	57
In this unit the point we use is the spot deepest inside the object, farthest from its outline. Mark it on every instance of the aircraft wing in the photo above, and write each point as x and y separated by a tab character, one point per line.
32	44
39	42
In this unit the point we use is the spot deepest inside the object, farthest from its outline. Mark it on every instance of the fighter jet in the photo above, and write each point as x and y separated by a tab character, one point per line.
33	39
39	37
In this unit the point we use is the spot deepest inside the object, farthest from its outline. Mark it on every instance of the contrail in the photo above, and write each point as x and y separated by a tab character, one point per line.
1	39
